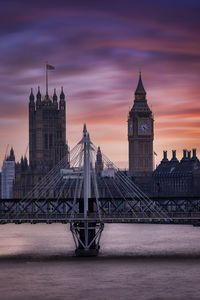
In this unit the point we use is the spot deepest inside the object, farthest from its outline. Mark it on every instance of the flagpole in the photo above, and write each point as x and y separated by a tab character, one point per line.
46	80
48	67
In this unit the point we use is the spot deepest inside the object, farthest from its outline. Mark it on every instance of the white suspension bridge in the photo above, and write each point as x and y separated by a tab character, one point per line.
76	194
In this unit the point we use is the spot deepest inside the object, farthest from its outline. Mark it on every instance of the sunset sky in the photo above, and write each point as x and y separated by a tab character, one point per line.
98	48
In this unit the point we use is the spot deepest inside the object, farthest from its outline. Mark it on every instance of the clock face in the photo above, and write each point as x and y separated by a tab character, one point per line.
144	127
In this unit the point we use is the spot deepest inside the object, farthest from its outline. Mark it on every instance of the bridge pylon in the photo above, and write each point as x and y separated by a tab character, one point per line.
87	233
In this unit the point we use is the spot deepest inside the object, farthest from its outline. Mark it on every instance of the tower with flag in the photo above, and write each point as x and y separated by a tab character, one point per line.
47	137
47	127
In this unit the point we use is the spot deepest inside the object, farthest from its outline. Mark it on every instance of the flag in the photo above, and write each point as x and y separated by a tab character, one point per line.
50	67
155	153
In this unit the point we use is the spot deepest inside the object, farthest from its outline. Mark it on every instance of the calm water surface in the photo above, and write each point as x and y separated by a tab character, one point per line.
136	262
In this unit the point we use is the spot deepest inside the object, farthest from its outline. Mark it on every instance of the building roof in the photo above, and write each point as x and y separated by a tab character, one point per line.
140	88
174	168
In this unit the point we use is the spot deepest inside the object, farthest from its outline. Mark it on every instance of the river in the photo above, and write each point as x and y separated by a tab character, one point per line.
135	262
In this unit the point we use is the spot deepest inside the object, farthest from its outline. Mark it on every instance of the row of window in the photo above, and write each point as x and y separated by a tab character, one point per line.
173	185
145	148
48	139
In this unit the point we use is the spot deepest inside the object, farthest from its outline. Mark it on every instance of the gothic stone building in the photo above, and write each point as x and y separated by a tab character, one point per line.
140	134
177	178
47	140
171	177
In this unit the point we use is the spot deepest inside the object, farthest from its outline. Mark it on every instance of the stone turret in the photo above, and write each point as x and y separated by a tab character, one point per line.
12	155
62	100
39	98
99	162
31	97
31	101
55	98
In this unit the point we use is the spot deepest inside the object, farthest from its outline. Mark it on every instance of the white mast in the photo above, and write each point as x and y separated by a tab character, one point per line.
86	169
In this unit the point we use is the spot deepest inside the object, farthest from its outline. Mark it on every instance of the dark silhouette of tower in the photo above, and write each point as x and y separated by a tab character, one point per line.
12	155
47	130
99	162
140	133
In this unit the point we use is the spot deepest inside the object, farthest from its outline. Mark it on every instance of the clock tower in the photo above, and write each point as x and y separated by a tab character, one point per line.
140	133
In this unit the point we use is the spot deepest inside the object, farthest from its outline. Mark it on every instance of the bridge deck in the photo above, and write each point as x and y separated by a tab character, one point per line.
139	217
116	210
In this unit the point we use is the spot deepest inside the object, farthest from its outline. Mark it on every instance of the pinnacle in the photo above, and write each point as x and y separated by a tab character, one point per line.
84	129
140	88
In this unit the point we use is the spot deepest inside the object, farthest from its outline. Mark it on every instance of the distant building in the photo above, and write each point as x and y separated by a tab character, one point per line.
99	162
47	141
8	176
47	130
177	178
140	134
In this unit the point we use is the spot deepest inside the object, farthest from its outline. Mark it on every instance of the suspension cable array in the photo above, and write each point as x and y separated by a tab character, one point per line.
115	193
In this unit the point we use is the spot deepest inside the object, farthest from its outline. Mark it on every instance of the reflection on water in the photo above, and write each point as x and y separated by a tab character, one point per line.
136	262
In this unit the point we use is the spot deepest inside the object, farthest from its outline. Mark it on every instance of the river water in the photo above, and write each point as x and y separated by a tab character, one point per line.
136	262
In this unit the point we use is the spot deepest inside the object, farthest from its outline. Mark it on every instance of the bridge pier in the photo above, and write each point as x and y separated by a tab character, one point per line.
86	236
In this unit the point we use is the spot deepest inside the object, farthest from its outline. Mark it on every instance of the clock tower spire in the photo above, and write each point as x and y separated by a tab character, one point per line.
140	133
140	91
